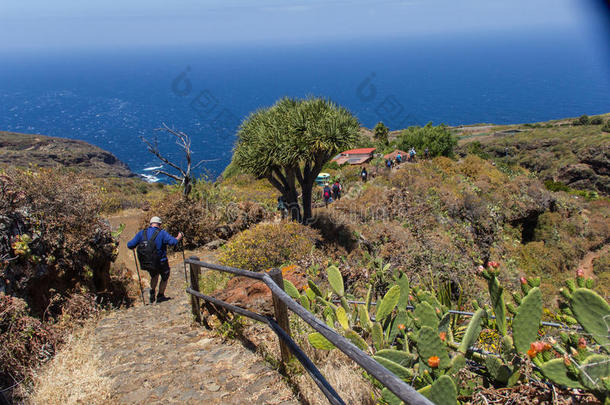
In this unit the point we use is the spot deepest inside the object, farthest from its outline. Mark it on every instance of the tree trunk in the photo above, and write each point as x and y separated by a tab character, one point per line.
306	197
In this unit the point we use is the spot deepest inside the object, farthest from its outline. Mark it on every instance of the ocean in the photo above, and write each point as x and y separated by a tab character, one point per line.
113	97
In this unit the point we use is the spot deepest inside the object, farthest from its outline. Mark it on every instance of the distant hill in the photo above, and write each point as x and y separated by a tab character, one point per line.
577	156
22	150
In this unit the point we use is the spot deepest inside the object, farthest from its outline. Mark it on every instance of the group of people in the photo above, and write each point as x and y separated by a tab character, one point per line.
411	156
330	194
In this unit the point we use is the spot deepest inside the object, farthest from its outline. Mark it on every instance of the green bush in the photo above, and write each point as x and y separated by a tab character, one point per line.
596	121
438	140
475	148
268	245
606	127
582	120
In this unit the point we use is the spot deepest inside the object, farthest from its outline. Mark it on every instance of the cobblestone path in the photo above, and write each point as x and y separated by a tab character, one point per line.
155	355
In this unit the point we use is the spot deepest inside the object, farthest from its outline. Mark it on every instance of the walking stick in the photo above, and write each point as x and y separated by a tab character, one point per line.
184	261
139	279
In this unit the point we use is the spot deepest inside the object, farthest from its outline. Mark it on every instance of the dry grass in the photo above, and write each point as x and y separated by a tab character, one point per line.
343	374
73	376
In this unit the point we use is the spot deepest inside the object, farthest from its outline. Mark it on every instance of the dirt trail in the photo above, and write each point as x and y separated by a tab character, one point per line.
586	264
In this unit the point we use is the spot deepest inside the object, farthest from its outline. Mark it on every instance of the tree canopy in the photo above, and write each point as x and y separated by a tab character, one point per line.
381	132
289	142
438	140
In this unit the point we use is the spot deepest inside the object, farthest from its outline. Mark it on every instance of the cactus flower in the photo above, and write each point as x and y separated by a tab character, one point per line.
494	264
480	269
434	361
401	326
582	343
580	273
523	280
443	336
566	360
531	353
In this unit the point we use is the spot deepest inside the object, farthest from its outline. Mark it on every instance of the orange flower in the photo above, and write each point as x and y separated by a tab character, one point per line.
443	336
582	343
434	361
532	353
494	264
401	326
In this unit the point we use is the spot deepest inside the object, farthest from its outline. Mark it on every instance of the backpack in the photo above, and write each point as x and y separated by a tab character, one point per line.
336	188
147	251
326	192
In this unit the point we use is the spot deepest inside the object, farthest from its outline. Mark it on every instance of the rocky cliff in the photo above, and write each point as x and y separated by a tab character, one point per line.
22	150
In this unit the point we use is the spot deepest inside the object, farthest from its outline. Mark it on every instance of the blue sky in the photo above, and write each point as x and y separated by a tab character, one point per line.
90	23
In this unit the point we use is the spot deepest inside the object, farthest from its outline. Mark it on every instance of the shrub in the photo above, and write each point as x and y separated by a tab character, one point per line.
181	214
53	235
582	120
268	245
596	121
475	148
438	140
606	127
24	341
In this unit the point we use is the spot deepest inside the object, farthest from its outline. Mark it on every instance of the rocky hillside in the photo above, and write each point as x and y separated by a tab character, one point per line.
577	156
22	150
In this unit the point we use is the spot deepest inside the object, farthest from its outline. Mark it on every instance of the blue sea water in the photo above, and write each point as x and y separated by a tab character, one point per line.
112	97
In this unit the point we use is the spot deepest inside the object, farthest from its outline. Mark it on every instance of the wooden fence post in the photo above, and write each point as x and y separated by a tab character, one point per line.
281	313
195	272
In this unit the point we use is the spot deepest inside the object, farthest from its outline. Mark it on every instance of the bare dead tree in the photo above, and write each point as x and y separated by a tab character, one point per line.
184	176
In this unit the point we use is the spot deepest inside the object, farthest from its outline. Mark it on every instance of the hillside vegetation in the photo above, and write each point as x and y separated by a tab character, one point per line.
575	153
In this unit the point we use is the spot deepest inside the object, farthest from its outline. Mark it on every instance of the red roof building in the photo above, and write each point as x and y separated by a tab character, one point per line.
355	156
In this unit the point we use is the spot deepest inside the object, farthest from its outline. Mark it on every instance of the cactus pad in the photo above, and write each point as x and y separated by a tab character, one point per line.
291	290
473	331
426	315
401	372
527	320
357	340
387	304
319	342
593	313
429	344
442	392
556	371
335	280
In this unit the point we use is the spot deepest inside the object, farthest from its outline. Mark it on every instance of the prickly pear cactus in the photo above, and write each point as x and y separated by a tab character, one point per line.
556	371
442	392
472	332
593	313
335	280
429	344
496	293
425	315
388	303
320	342
527	320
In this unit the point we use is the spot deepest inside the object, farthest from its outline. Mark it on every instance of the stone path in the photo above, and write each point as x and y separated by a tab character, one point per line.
154	355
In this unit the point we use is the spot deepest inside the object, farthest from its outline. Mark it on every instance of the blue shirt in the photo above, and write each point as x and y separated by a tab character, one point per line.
163	239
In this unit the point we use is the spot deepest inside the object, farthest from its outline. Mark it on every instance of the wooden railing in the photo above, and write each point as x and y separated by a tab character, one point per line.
282	302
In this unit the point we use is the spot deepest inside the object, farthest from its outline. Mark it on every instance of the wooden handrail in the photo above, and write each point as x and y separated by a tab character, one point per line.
401	389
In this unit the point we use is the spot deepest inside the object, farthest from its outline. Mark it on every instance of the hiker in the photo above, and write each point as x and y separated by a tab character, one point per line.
412	154
388	163
337	190
398	158
154	260
426	153
281	206
326	194
363	174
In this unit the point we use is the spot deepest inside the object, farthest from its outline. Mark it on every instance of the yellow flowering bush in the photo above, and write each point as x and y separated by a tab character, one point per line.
268	245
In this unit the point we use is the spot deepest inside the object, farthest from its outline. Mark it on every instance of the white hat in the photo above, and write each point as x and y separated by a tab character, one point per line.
155	220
